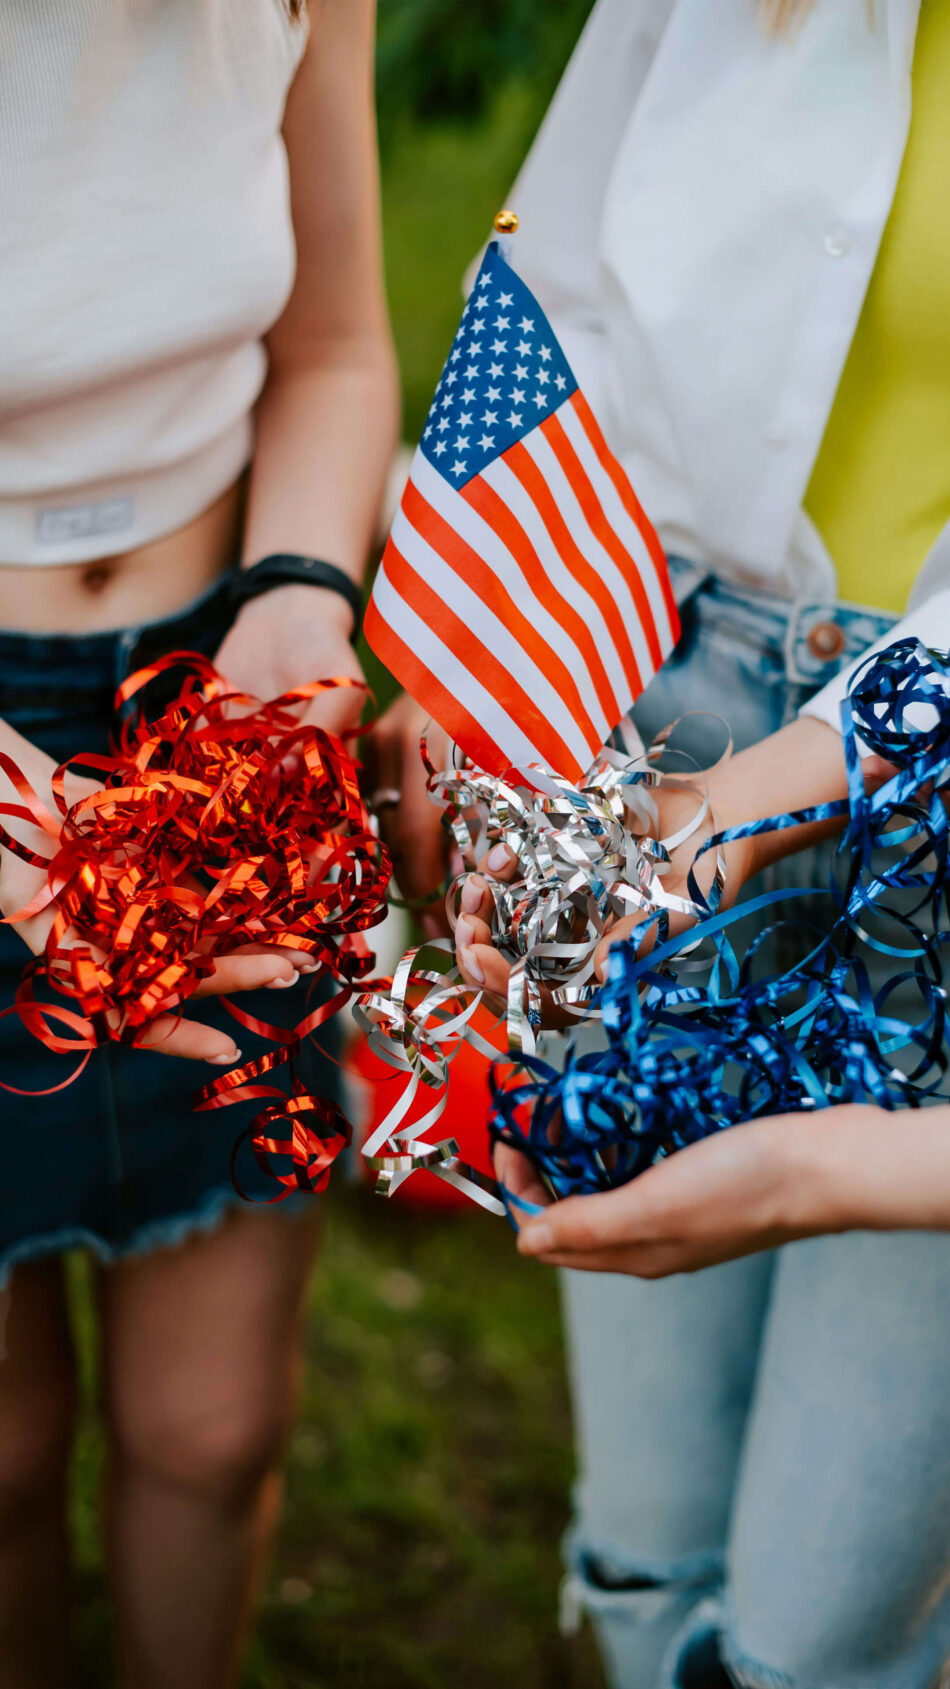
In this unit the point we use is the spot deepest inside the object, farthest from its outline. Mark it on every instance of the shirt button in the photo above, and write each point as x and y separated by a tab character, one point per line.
837	242
826	640
776	438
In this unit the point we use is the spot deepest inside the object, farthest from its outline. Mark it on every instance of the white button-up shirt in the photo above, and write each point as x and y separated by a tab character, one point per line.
700	216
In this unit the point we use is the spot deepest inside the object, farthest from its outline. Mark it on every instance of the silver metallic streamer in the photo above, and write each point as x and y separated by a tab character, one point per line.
587	856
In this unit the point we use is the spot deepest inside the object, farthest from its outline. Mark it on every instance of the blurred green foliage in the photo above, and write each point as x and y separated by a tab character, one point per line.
462	88
447	60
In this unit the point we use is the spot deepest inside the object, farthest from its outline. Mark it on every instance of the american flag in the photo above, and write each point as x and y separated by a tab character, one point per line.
523	597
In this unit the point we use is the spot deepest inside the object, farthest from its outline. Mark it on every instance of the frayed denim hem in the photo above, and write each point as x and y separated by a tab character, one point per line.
168	1233
622	1594
747	1673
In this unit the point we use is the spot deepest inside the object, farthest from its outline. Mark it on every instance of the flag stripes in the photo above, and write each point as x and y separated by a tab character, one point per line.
542	640
508	509
484	522
637	531
416	655
479	639
502	530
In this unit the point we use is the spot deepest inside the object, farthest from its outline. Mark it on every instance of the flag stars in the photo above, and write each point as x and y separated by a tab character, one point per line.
500	380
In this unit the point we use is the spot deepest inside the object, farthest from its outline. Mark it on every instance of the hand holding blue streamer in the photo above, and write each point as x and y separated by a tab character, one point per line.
685	1060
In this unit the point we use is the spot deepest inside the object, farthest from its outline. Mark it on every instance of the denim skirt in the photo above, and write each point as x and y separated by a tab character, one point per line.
118	1161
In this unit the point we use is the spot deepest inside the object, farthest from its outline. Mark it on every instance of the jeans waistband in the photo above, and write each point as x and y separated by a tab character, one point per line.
815	638
44	664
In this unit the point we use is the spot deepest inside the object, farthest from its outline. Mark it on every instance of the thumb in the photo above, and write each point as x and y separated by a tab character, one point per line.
582	1224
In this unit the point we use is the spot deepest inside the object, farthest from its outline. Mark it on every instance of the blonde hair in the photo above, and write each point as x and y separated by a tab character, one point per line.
781	14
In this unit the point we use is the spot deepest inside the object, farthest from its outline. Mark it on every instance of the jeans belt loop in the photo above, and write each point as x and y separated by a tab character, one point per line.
804	666
687	579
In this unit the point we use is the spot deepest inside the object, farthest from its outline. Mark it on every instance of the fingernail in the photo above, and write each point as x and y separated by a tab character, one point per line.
309	967
536	1239
281	984
464	933
498	856
472	893
471	964
225	1060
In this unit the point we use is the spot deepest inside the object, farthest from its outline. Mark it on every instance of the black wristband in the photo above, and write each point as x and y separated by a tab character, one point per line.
284	568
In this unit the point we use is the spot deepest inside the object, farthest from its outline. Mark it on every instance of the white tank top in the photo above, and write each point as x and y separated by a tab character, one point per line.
146	246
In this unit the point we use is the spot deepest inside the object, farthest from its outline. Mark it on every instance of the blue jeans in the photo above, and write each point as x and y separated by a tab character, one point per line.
764	1447
117	1161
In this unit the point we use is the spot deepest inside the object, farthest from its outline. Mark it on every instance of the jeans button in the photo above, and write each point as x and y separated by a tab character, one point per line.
825	641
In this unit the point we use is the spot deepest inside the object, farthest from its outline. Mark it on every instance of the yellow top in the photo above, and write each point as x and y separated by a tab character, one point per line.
880	489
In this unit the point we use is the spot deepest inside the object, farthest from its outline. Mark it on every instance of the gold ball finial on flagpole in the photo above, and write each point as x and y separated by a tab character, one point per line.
506	222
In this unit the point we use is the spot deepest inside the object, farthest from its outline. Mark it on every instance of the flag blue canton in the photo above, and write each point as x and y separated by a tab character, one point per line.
504	375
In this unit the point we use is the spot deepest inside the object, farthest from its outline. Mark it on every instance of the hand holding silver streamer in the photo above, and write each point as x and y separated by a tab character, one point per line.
586	857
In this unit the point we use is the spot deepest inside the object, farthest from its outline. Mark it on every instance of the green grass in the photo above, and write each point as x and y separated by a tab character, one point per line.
428	1479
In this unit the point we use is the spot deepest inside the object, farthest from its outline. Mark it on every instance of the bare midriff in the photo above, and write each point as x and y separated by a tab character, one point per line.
127	589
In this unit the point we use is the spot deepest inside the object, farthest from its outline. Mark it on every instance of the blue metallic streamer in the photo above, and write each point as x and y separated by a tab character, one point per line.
685	1059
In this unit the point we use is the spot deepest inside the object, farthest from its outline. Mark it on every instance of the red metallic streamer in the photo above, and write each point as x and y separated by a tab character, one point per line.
223	823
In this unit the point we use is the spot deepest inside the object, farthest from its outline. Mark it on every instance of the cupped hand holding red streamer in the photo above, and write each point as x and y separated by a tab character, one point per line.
248	970
226	846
